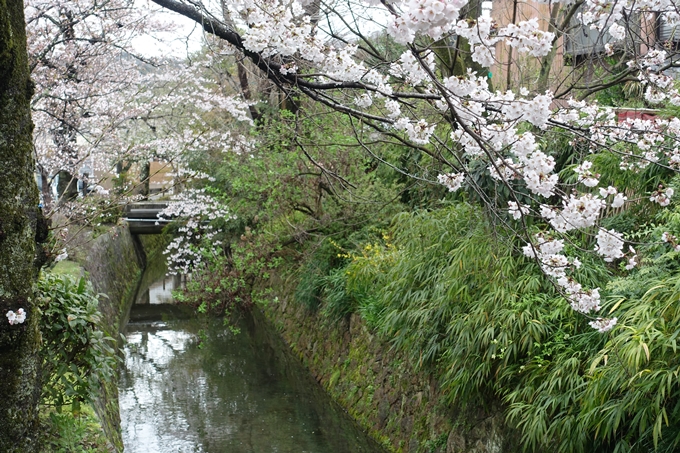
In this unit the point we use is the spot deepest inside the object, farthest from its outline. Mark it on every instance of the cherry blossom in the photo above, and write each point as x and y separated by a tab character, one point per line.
662	196
609	245
99	102
603	324
16	318
420	99
517	211
194	209
452	181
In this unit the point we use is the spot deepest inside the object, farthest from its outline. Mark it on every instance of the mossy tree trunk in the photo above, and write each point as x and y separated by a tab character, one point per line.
145	178
19	364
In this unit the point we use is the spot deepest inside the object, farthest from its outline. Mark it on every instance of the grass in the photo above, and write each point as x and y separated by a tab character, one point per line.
72	432
67	267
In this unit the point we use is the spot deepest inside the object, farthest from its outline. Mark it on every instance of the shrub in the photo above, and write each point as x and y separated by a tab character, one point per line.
72	433
76	353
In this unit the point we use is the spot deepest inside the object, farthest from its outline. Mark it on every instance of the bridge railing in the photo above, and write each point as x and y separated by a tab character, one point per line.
142	217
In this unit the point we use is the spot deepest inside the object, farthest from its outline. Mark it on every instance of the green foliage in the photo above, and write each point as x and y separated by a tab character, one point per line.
451	292
619	392
632	395
438	444
618	396
76	353
305	174
366	272
224	283
629	94
337	303
70	432
455	298
317	274
306	181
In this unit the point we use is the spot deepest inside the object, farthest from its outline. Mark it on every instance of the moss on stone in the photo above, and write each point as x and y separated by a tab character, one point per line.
398	405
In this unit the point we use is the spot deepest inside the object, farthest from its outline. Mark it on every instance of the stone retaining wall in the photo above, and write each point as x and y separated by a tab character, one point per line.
402	408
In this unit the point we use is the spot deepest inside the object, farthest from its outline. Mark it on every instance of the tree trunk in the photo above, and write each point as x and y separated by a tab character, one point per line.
19	214
145	179
67	187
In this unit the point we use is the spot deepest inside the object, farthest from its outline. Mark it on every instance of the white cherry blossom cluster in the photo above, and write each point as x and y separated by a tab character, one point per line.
649	139
601	15
537	111
63	254
659	87
341	65
585	175
269	31
452	181
471	147
518	210
548	253
478	34
411	69
531	164
619	199
419	132
16	318
393	108
503	170
576	213
471	85
538	175
609	245
603	324
671	239
610	15
195	209
662	196
194	203
633	260
97	105
582	114
617	32
527	37
364	100
430	17
582	301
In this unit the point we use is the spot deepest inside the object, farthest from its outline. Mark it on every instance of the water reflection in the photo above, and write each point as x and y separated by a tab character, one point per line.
191	386
160	291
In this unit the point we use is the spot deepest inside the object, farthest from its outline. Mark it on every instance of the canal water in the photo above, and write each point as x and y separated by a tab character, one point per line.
193	386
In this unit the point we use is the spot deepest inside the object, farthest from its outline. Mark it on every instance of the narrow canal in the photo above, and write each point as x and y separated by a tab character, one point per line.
192	386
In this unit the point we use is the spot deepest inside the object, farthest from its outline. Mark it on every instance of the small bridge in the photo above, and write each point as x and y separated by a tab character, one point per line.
142	217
